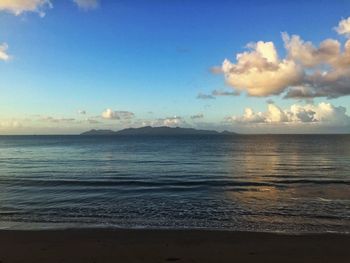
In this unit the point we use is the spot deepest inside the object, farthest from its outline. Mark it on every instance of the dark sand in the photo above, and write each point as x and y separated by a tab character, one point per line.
81	245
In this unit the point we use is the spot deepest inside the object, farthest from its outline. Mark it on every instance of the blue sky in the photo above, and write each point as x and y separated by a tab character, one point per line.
75	65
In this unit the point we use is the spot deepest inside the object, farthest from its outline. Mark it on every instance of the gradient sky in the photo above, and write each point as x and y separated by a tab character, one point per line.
71	65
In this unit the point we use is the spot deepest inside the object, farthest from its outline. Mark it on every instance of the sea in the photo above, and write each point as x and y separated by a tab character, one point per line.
261	183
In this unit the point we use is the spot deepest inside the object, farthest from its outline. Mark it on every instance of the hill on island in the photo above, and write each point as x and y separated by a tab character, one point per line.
156	131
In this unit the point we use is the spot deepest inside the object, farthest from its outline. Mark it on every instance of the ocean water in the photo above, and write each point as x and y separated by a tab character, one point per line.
277	183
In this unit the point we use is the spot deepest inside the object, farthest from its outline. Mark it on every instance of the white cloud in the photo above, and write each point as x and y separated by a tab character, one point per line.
260	72
87	4
326	68
343	27
3	52
171	121
307	71
18	7
109	114
322	113
175	121
310	56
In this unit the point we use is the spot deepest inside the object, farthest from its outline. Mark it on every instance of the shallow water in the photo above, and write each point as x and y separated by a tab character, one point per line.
288	183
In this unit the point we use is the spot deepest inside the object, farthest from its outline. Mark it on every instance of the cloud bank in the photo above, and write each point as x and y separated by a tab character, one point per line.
10	124
320	114
306	71
175	121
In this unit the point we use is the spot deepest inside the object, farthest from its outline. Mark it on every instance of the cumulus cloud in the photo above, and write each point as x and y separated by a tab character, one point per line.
343	27
197	116
327	68
3	52
175	121
18	7
86	4
170	121
306	71
310	56
109	114
322	113
260	72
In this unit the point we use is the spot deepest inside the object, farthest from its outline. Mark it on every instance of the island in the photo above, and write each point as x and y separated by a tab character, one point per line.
156	131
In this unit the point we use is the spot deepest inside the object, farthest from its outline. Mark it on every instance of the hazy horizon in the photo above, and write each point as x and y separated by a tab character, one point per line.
243	66
220	130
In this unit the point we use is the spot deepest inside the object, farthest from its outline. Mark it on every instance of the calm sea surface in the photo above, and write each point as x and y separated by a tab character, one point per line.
289	183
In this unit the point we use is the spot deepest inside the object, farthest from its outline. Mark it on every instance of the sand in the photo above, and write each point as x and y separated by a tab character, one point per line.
96	245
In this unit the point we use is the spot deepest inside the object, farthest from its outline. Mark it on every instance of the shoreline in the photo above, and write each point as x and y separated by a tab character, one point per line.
32	226
159	245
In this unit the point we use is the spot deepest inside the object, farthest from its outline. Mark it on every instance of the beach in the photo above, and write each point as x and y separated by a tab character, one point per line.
117	245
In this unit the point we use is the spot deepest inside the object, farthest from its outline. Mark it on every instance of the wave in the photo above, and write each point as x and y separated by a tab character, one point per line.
176	184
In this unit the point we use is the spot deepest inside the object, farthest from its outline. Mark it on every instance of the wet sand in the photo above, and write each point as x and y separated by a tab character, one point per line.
104	245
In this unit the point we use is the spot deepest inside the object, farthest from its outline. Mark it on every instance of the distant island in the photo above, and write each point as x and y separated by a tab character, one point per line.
157	131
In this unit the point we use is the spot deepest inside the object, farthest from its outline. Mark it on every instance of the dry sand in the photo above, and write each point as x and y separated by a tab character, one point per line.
94	245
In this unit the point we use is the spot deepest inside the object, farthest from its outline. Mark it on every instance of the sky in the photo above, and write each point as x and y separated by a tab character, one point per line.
67	66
